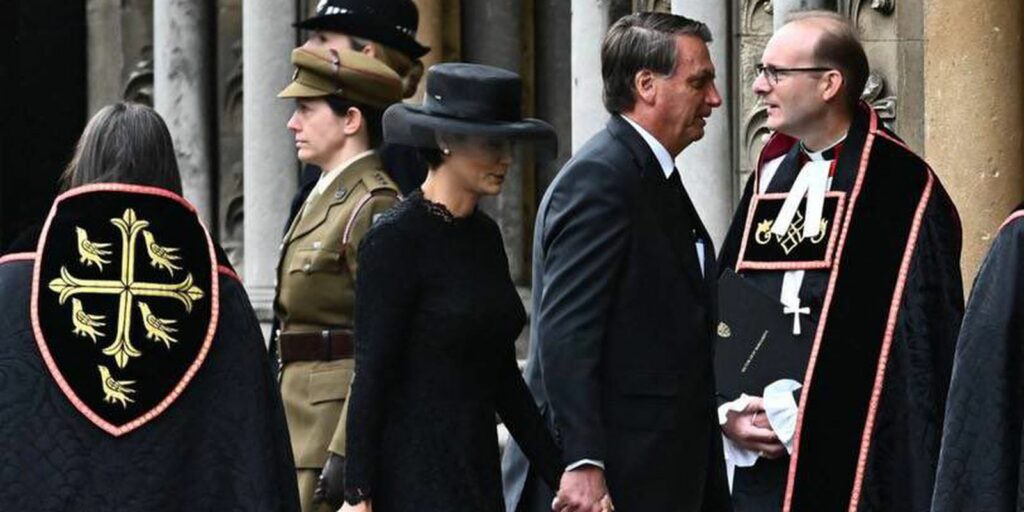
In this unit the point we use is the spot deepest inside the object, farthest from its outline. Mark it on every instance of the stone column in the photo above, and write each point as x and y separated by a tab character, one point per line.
492	35
270	170
974	112
183	88
782	8
706	165
104	37
553	75
430	33
589	24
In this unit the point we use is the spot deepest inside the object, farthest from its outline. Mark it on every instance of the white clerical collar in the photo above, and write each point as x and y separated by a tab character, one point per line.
664	157
820	156
326	178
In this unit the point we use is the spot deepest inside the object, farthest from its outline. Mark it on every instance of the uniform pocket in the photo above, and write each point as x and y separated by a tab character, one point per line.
311	261
329	385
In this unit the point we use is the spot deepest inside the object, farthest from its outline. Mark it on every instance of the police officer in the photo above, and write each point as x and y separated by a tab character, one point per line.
339	97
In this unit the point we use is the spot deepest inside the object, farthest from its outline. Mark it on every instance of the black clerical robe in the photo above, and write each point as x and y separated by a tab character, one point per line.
887	272
981	459
132	371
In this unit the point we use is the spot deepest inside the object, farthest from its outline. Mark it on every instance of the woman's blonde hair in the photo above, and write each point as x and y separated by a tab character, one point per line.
410	70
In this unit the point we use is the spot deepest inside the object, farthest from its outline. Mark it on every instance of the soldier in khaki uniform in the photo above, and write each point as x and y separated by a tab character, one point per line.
339	98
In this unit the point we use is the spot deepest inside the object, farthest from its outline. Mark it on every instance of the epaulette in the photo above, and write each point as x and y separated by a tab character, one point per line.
377	180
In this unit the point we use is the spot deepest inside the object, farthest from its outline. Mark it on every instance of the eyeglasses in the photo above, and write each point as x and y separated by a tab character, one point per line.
772	73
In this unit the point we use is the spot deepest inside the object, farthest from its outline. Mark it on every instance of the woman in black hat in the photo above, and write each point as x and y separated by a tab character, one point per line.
438	314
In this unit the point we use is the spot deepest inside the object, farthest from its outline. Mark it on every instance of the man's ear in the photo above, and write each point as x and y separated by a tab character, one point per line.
833	86
644	83
370	51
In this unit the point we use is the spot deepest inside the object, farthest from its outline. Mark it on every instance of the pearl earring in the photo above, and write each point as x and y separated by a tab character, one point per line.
446	152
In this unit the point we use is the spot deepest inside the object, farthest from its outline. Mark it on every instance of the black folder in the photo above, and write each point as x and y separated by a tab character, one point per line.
755	345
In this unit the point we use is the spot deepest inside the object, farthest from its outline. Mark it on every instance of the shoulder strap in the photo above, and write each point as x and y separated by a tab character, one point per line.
377	184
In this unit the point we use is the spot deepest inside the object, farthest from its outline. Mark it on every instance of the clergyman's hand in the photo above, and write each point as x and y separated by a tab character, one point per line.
750	429
582	490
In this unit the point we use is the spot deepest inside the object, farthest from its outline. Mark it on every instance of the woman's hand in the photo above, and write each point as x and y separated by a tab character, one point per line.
365	506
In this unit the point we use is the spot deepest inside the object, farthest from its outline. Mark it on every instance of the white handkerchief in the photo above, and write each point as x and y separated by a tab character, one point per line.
735	455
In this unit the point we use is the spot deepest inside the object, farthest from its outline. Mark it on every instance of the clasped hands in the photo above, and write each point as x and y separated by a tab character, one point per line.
583	490
580	490
751	430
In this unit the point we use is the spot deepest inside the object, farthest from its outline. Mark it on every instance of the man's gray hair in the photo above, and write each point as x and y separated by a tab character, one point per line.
640	41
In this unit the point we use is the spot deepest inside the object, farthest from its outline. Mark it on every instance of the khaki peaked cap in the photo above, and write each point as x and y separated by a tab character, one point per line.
347	74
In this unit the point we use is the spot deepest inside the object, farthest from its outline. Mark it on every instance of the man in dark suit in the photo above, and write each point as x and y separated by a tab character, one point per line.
621	363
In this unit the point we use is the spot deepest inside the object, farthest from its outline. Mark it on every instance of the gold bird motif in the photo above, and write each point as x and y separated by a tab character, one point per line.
85	324
157	329
91	253
159	256
115	390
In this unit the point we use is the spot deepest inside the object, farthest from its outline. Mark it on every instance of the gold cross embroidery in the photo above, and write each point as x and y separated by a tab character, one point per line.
128	289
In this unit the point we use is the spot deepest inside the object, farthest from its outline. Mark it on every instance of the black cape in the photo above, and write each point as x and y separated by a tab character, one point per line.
981	460
874	393
222	444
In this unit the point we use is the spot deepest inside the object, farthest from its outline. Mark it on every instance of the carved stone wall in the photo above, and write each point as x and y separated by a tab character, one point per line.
892	32
229	133
753	28
120	51
121	34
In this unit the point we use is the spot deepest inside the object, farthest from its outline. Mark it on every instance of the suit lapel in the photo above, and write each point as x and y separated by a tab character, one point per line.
657	188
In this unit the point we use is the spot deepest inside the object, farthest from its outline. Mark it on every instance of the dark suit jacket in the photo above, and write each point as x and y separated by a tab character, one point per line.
621	363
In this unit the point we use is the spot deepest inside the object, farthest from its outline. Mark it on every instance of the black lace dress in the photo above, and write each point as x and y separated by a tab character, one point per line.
436	322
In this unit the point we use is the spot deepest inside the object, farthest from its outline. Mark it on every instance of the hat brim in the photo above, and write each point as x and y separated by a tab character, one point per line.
411	125
366	27
299	90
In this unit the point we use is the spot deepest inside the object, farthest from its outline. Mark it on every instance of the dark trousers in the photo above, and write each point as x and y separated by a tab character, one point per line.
761	487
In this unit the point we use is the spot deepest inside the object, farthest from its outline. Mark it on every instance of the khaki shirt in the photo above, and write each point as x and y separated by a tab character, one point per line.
316	291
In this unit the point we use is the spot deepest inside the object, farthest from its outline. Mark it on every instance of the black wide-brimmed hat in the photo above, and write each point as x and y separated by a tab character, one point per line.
392	23
467	99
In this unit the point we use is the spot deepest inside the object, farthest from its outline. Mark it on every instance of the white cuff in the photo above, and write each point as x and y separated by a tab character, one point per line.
781	410
585	462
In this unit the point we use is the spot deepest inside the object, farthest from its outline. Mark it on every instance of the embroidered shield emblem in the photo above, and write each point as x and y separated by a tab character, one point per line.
762	249
123	301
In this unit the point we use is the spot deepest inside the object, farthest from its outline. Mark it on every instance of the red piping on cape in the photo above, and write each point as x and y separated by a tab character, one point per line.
110	428
17	256
225	270
826	306
1014	216
890	329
